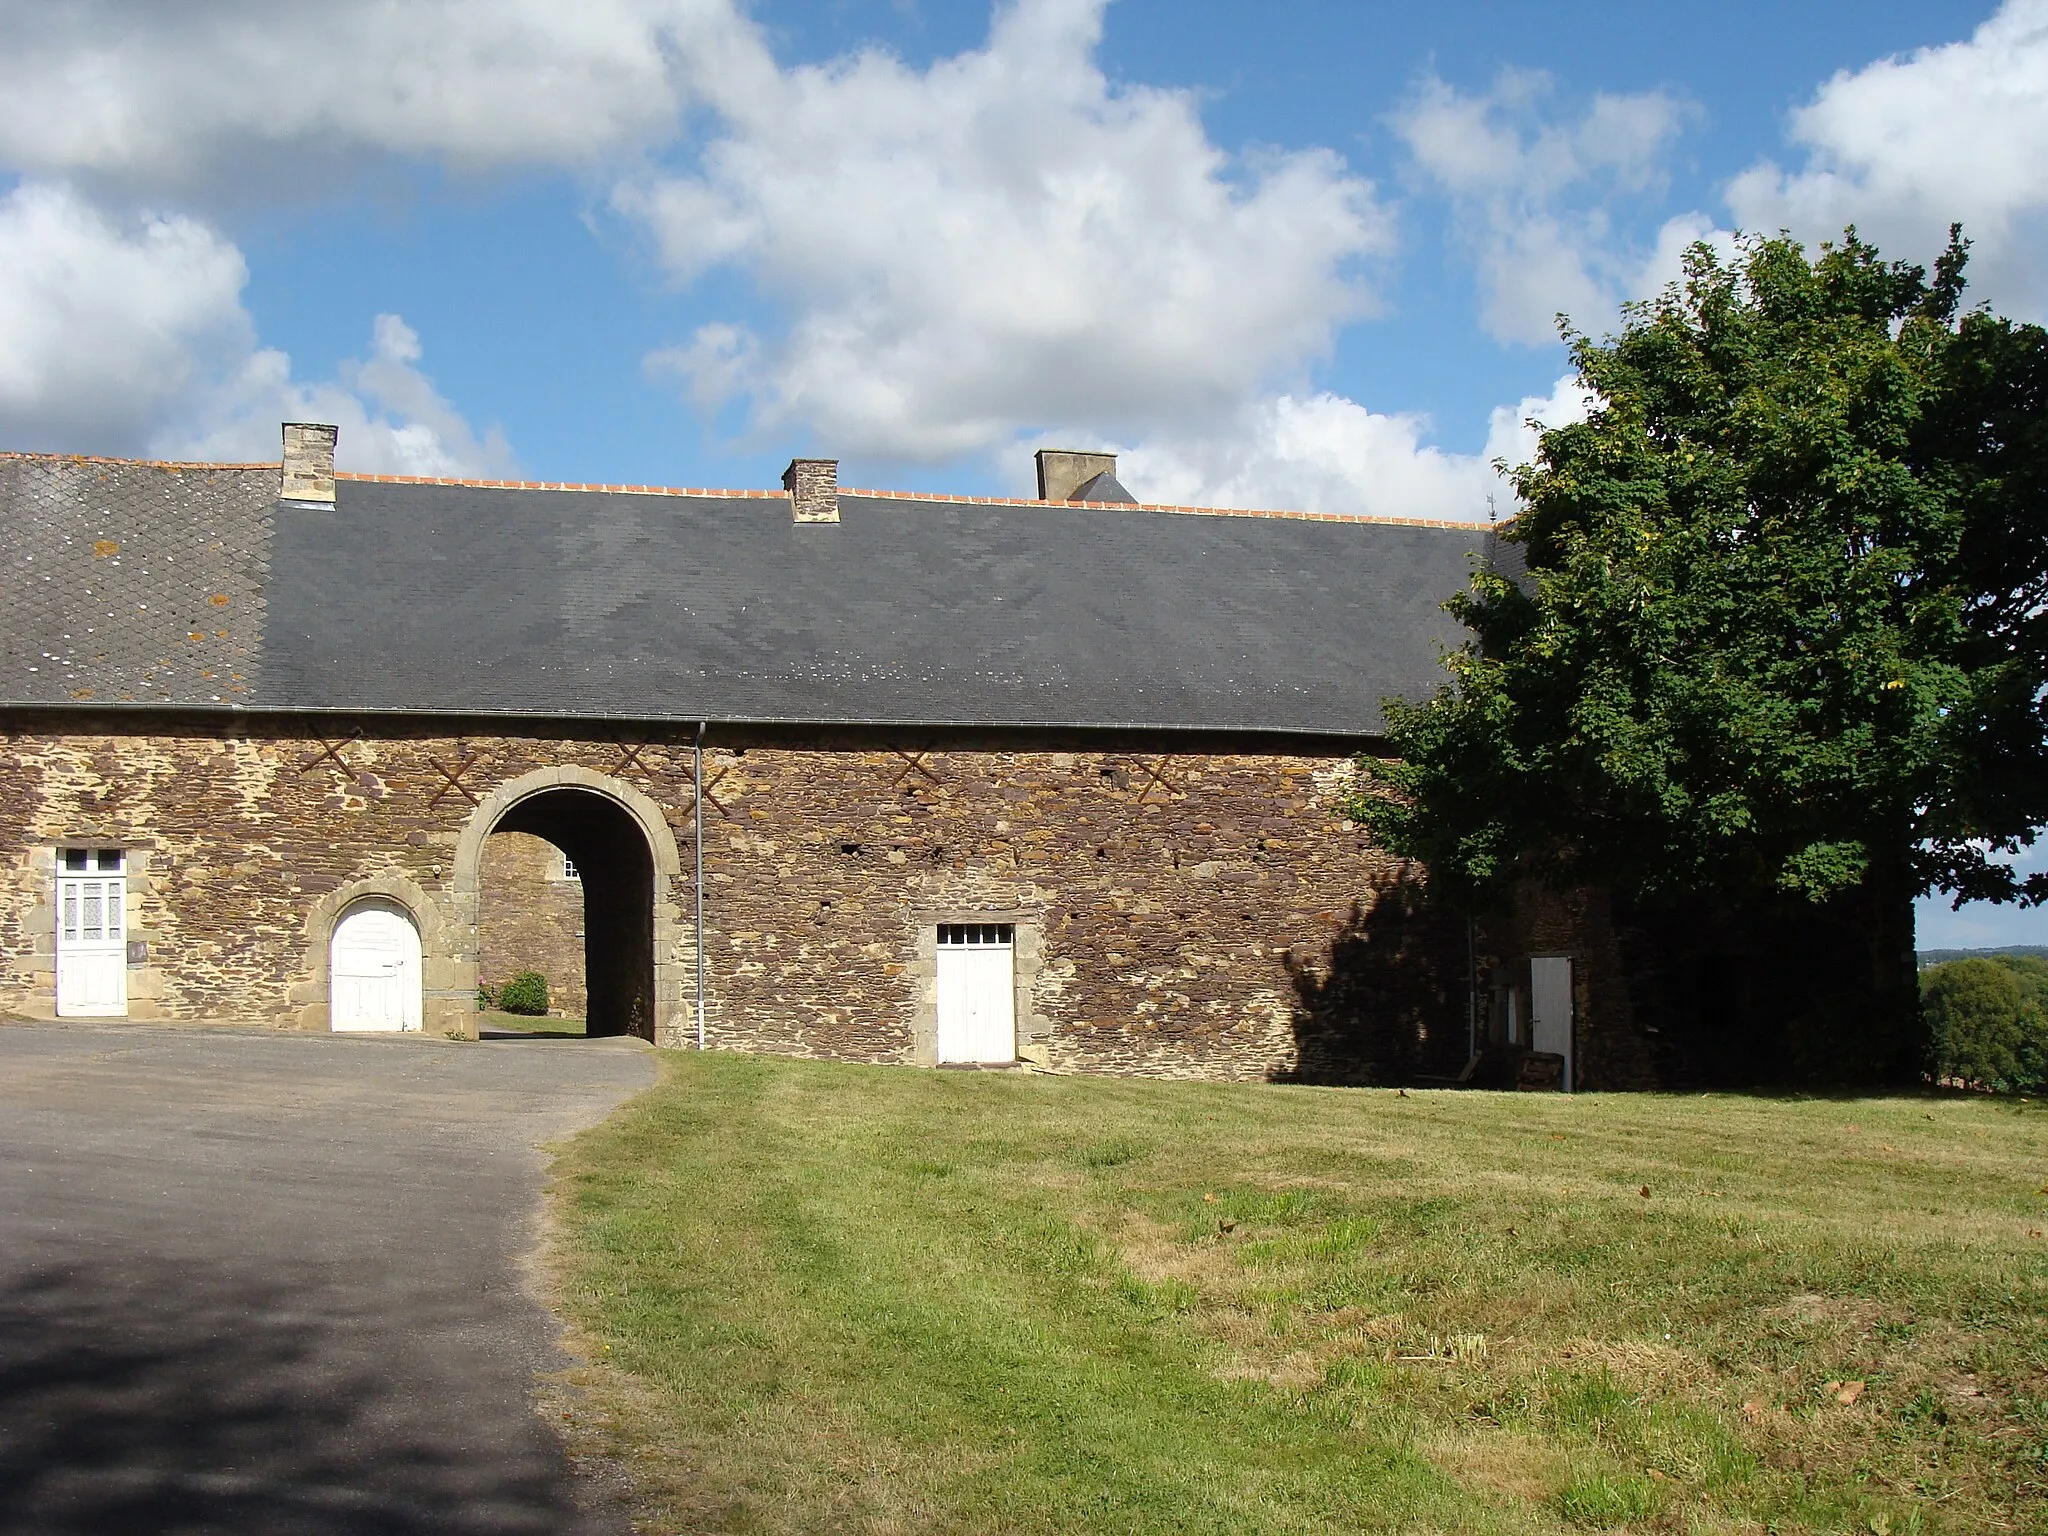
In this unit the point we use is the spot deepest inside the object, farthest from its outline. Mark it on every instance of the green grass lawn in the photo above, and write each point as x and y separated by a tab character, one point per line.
528	1024
834	1298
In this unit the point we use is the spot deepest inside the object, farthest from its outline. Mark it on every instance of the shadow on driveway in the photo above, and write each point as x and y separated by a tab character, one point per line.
272	1284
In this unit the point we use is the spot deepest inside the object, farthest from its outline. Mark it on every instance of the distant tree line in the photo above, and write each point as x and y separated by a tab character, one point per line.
1987	1022
1939	956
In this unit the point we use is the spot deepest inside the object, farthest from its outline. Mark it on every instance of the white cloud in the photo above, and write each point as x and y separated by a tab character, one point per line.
1512	430
107	326
195	94
1905	146
392	419
997	244
1665	263
1535	198
1324	453
128	335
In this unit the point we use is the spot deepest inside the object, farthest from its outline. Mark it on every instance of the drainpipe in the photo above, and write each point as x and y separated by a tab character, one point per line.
697	843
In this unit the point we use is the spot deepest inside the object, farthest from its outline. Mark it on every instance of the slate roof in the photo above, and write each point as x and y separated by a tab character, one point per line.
136	584
132	581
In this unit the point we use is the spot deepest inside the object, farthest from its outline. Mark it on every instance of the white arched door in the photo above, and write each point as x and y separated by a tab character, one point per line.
374	980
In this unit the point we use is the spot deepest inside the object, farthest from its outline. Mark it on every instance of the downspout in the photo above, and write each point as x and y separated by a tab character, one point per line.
697	844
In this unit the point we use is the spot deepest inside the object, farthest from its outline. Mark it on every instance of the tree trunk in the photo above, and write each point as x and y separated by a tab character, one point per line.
1897	1035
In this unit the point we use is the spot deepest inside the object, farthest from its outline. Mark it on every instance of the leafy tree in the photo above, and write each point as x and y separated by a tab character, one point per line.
1985	1026
2032	973
1778	638
2031	969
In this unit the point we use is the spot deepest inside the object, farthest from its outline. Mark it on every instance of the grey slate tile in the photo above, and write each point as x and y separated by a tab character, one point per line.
484	600
131	582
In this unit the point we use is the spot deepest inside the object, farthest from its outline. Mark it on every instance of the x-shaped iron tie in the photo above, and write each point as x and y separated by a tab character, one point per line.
629	755
1155	774
454	779
913	762
330	752
704	791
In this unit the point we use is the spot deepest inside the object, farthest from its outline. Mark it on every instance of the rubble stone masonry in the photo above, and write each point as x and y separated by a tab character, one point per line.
1168	896
530	918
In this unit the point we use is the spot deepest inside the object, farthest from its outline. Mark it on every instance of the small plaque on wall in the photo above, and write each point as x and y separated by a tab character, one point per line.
138	951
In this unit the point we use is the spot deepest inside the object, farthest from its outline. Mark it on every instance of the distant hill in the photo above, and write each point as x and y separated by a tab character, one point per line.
1937	956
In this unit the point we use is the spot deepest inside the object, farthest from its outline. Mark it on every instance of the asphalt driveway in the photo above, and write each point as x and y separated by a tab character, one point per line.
274	1282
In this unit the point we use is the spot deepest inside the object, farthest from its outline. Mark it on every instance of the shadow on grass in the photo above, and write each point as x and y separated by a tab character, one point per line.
493	1025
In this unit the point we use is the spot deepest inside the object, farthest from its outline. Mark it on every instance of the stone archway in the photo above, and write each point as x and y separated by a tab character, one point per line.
627	856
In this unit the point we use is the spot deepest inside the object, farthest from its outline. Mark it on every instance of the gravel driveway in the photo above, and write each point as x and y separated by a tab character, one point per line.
274	1282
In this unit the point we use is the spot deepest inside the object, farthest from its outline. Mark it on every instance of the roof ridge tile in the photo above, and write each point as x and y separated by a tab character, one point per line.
925	496
736	494
102	458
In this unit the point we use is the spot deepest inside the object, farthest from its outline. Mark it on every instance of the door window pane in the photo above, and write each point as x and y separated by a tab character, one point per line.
976	935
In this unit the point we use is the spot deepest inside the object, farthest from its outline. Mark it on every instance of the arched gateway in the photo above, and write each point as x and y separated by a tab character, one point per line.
626	855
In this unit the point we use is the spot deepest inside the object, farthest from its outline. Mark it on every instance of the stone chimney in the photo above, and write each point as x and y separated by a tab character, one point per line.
1061	473
813	486
308	470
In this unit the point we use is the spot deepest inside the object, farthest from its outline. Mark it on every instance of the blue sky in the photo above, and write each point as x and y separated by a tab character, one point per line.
537	309
1299	255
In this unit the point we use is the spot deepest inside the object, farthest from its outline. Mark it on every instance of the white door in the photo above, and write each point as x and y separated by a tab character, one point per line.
977	992
1550	1009
375	969
92	933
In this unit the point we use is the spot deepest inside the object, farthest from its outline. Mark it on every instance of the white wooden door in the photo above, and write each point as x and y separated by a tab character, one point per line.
92	933
977	993
374	963
1550	1008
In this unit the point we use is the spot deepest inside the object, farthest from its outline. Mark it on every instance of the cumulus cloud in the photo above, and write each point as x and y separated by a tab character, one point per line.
193	95
1002	251
392	419
107	325
1534	197
1000	243
958	258
127	335
1324	453
1907	145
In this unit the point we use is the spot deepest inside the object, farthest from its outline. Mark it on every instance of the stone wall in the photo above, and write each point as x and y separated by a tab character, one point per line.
530	918
1608	1050
1173	905
1158	897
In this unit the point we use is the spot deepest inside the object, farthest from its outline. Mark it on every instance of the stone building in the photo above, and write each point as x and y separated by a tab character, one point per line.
967	779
